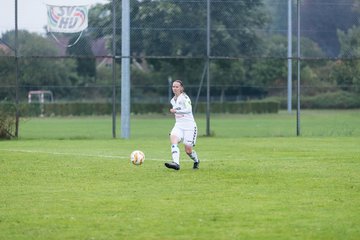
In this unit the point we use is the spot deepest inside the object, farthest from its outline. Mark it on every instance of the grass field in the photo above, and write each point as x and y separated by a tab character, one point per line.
66	178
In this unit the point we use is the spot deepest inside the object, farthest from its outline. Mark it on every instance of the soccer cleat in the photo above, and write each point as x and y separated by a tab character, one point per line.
196	165
172	165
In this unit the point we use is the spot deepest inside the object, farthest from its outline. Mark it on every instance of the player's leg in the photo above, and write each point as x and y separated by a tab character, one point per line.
175	151
193	155
175	138
190	141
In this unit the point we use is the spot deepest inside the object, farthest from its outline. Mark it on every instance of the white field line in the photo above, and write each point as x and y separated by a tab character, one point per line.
79	154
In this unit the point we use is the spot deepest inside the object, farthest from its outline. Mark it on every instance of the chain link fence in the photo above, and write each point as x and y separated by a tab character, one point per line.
246	42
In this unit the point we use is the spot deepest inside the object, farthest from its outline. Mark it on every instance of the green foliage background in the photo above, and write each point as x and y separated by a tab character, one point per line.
248	43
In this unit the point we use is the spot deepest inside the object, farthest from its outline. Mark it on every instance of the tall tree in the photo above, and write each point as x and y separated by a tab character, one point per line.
320	21
86	63
34	72
178	29
175	28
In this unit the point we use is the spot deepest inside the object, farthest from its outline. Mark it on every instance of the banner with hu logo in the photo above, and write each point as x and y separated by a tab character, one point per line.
67	19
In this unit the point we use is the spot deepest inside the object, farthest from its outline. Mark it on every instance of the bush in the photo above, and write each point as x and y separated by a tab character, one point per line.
242	107
7	121
330	100
333	100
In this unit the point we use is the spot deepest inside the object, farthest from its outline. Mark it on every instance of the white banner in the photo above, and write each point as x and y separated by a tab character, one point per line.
67	19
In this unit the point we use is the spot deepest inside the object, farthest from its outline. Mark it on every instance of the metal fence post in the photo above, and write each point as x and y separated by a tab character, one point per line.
298	70
125	70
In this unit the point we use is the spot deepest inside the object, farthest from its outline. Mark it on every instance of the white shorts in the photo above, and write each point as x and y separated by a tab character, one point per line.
187	136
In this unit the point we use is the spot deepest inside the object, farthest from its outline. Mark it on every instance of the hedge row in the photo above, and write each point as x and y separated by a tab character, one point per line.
330	100
88	108
339	100
242	107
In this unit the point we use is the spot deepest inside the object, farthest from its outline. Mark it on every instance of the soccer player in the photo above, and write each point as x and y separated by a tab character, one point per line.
185	128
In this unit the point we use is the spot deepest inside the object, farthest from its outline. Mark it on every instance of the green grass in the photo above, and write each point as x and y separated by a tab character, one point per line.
65	178
312	123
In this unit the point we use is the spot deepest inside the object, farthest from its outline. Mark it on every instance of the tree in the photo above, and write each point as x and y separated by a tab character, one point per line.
86	62
174	28
350	42
228	75
320	21
177	29
347	72
38	72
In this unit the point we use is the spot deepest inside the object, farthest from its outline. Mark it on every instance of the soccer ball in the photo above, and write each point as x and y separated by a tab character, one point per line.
137	157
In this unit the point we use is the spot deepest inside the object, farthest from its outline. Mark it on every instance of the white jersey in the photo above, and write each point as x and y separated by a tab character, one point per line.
183	115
